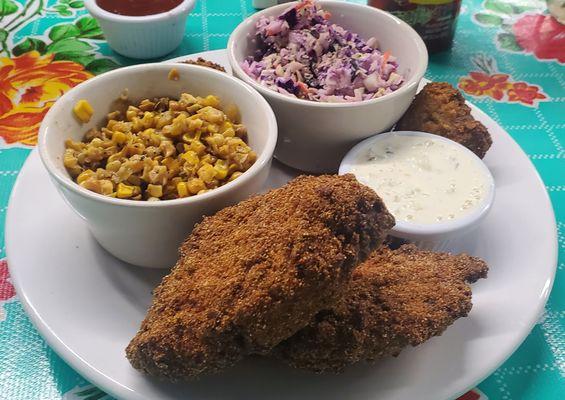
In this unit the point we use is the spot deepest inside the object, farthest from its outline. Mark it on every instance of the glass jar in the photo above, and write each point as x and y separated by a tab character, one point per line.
434	20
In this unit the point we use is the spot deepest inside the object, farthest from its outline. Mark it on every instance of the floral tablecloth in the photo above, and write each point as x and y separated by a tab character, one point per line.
507	58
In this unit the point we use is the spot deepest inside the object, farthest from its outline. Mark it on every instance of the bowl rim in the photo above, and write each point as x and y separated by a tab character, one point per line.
438	228
98	12
62	105
419	69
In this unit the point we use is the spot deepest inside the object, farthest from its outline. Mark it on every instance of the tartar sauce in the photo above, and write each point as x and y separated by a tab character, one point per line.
420	179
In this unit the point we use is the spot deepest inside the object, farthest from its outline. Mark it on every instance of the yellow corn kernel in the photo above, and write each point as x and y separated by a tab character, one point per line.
190	157
198	147
167	148
182	189
69	159
215	140
193	108
78	146
124	191
155	137
119	137
148	119
225	125
235	175
187	98
208	159
116	156
206	172
211	101
194	123
164	121
173	168
233	168
137	125
113	166
83	110
229	132
221	168
85	175
212	115
106	187
195	185
173	75
145	134
155	190
103	186
131	112
213	128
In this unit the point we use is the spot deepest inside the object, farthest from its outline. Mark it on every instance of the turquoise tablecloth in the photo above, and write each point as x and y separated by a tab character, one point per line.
507	58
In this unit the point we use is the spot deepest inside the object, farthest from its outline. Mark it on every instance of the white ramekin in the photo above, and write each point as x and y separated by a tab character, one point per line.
143	37
433	236
314	136
149	233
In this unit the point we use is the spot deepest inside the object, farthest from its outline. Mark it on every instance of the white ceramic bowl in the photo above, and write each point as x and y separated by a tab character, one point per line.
149	233
314	136
143	37
432	236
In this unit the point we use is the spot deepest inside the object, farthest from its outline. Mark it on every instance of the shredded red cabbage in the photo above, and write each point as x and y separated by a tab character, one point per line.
301	53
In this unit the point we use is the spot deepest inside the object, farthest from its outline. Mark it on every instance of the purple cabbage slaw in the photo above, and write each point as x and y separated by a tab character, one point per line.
301	54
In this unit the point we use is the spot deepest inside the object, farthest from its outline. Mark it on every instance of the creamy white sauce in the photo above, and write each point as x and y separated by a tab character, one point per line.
422	180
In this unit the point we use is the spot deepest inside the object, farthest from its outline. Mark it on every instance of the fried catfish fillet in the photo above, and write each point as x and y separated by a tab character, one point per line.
396	298
439	108
254	274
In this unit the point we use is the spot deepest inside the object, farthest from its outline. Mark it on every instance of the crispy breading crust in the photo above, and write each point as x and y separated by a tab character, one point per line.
439	108
205	63
254	274
396	298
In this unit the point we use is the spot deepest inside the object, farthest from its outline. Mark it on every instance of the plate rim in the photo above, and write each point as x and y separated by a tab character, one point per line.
119	390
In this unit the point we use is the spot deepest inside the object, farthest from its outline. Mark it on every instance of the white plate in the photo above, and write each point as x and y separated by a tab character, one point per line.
88	305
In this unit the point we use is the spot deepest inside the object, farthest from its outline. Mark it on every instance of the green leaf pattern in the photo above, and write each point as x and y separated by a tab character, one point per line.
8	7
66	8
76	4
507	41
29	44
488	19
63	31
77	57
67	41
89	28
499	6
3	35
68	44
101	65
502	14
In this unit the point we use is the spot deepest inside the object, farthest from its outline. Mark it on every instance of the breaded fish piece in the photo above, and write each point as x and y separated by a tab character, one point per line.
396	298
440	108
254	274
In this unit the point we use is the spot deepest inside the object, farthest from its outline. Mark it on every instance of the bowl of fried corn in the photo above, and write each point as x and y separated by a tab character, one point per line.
143	153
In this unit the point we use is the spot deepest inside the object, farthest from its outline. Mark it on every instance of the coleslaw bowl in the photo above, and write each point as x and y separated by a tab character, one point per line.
314	136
